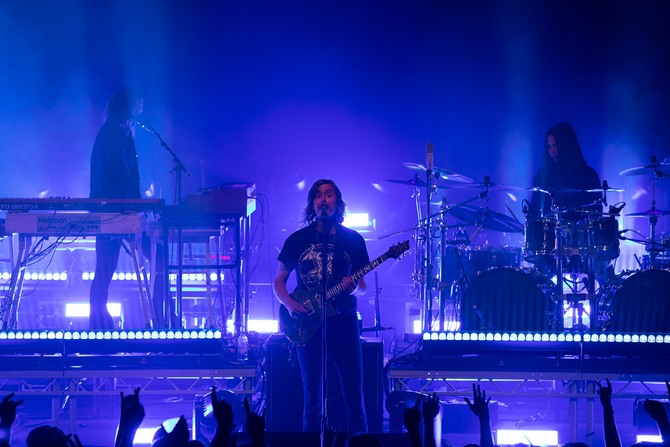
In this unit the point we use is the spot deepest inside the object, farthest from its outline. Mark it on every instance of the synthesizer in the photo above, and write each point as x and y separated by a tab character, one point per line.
73	223
81	204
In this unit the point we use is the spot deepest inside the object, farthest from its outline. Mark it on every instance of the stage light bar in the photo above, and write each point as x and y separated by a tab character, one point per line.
547	336
532	437
82	310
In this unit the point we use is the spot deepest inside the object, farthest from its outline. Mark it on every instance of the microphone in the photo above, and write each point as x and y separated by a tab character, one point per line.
430	152
144	124
324	209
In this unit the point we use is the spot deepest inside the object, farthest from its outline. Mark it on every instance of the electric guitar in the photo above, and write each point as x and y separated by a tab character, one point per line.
300	329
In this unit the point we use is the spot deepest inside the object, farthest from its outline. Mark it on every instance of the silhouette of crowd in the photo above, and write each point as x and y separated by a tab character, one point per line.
417	418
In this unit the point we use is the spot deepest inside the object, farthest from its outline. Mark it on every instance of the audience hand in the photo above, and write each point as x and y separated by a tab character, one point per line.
605	393
431	408
255	423
656	410
223	412
412	417
8	410
480	404
132	411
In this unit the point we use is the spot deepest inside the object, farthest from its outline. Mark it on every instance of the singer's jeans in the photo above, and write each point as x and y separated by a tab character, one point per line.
345	353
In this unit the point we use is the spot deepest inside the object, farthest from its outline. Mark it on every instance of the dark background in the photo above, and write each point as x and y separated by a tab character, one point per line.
281	93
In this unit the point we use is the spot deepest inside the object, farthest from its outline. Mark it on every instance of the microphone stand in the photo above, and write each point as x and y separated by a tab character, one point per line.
326	226
179	169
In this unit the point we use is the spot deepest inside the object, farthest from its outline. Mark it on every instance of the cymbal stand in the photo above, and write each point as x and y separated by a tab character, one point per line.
428	253
418	275
653	218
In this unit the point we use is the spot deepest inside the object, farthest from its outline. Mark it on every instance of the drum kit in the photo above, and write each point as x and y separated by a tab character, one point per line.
515	288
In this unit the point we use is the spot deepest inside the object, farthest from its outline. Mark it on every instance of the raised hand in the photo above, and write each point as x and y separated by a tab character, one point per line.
605	393
412	416
8	410
132	415
655	409
480	404
223	412
132	411
255	425
431	407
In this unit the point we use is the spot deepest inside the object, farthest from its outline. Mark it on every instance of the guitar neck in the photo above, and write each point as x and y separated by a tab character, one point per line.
339	288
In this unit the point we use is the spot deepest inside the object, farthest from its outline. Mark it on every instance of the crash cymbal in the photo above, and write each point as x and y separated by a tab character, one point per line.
415	181
537	189
655	167
439	173
649	213
601	190
487	218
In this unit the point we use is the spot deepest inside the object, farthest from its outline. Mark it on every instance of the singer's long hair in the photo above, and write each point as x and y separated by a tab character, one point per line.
308	214
124	106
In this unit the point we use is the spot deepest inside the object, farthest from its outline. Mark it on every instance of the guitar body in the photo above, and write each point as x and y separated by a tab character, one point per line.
299	330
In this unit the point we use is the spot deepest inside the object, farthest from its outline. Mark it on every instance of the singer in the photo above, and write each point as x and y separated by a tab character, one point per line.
345	254
115	174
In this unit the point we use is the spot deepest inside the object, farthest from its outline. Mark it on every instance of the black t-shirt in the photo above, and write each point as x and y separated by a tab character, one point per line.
347	254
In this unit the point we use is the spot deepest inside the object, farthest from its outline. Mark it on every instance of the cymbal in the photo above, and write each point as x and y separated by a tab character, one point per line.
439	173
657	168
649	213
487	218
537	189
601	190
490	186
414	181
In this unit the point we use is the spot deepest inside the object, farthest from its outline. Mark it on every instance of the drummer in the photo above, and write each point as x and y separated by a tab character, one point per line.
567	177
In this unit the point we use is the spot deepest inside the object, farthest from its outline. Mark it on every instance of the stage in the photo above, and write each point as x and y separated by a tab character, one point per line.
73	380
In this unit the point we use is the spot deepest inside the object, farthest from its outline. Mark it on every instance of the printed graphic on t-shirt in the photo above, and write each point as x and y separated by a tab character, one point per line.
310	265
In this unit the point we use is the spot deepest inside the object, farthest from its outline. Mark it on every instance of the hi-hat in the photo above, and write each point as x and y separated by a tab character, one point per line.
487	218
655	167
649	213
439	173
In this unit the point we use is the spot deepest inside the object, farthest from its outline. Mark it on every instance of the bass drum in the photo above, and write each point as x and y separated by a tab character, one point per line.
637	302
507	299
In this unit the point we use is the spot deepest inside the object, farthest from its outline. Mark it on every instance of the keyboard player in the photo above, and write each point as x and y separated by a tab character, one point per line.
115	174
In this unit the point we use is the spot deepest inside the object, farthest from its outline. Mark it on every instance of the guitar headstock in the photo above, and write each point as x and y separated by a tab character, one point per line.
398	250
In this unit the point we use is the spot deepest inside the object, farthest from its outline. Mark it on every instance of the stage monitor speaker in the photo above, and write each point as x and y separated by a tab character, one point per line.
284	387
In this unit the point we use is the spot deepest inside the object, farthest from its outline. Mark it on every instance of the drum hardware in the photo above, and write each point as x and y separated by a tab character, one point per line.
656	170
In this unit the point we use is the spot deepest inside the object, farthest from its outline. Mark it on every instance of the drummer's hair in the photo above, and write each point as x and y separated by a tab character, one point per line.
569	149
308	214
